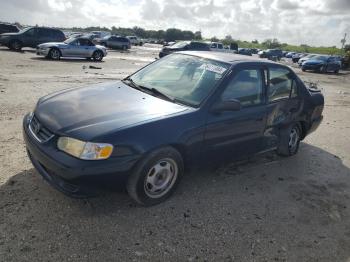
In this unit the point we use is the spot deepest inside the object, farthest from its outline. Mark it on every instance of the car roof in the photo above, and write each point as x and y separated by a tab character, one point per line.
229	58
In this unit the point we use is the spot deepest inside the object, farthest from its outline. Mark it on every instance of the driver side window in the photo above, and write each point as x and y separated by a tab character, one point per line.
31	32
246	87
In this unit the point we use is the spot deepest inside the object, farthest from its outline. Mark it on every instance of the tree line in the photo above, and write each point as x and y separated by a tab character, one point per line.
170	34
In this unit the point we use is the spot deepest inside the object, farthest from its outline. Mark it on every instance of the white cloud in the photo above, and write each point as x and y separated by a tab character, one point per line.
316	22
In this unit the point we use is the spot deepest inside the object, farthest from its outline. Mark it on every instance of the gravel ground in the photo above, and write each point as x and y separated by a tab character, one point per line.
263	209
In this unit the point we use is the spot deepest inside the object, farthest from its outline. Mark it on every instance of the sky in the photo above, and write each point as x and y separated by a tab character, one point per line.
312	22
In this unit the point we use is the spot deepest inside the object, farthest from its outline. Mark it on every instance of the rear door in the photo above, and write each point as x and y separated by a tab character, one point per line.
44	35
283	102
235	134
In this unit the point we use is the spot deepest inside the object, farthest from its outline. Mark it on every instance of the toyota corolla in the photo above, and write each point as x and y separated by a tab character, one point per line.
174	113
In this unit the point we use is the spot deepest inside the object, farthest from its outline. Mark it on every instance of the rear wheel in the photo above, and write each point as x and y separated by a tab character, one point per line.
289	140
54	54
336	71
97	56
156	176
16	45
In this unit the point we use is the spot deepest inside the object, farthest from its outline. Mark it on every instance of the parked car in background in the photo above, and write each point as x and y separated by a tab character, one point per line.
182	110
305	58
296	57
115	42
31	37
284	53
100	34
271	54
8	28
215	46
183	46
244	51
134	40
290	54
169	43
322	64
73	47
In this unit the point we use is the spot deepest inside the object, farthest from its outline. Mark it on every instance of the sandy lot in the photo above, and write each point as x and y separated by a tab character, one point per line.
264	209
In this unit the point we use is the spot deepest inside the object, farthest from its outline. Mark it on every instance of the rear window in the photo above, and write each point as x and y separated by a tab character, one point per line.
8	28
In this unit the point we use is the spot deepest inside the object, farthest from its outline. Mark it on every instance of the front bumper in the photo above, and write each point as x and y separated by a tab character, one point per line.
72	176
4	40
42	51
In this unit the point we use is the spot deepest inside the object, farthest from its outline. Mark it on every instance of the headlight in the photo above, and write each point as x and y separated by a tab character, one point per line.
84	150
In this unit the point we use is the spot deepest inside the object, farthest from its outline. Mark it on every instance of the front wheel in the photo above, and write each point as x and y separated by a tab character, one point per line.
156	176
16	45
289	140
97	56
54	54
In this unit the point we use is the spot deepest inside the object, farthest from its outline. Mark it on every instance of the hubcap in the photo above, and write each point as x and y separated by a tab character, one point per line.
55	54
293	139
97	56
160	178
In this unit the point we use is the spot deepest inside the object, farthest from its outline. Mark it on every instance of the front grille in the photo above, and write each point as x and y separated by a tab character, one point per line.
39	132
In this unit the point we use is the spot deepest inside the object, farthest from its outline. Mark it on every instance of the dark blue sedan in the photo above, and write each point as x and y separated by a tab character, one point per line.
322	64
185	109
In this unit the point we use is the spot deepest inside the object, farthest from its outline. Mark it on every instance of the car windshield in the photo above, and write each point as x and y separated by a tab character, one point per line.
25	29
320	57
180	44
70	40
185	78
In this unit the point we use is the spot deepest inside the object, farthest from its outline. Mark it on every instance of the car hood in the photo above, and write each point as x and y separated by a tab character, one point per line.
9	34
313	62
170	49
52	44
97	110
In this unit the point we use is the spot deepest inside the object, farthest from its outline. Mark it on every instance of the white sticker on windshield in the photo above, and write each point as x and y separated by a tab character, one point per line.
213	68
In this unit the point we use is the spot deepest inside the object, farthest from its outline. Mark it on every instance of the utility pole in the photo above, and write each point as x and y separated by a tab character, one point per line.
343	41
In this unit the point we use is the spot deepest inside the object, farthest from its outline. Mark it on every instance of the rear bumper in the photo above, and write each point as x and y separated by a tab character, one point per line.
315	124
70	175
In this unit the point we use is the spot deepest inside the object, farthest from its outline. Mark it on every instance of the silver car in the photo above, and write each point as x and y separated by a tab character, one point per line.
73	47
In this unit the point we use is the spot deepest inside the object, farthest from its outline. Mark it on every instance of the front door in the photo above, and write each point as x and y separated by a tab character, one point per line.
232	134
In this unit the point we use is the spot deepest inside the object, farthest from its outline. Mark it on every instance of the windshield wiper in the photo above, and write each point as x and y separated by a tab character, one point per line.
159	93
148	90
131	83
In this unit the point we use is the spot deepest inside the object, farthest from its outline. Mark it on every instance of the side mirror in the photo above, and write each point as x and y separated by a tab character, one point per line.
228	105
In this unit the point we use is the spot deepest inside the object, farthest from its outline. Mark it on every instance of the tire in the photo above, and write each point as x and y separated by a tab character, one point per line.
303	70
54	54
16	45
97	56
289	140
336	71
155	178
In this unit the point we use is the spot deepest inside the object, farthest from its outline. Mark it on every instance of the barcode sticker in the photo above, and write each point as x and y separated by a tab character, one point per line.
213	68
